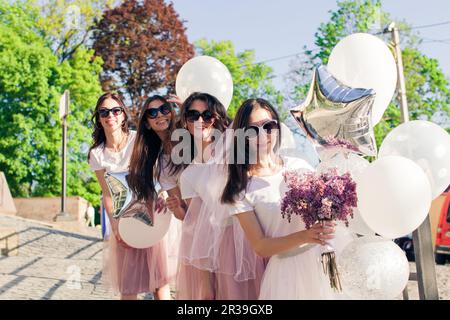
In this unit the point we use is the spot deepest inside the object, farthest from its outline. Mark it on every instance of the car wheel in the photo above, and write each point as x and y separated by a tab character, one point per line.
440	258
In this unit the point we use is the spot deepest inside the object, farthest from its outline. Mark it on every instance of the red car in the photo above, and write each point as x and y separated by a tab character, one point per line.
443	232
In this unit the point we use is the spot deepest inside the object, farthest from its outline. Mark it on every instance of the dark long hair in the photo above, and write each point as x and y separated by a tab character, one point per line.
146	158
98	136
238	173
221	119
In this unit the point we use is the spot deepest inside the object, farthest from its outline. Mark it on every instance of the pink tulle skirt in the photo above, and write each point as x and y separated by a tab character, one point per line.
131	271
226	284
206	271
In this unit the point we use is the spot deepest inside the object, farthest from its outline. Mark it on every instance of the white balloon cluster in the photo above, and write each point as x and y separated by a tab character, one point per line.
413	168
395	191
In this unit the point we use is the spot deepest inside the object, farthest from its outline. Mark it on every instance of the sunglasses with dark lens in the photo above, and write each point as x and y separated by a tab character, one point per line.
194	115
152	113
104	113
254	131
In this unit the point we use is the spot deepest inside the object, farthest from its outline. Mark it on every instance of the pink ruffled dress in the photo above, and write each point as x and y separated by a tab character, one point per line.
126	270
216	262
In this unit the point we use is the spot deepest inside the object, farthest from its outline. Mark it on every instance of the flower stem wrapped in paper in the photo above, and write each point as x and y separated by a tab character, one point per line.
321	197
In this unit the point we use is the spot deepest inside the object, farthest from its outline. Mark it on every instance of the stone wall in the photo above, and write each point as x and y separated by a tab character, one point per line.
6	201
46	208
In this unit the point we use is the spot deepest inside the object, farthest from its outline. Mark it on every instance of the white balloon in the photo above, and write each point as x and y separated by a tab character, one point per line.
425	143
358	225
139	235
362	60
355	165
205	74
373	268
394	196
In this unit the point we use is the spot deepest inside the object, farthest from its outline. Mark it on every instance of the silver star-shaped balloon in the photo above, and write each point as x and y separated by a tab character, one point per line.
125	203
337	117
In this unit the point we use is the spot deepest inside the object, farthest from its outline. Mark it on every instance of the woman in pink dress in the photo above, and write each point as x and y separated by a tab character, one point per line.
149	165
207	260
127	270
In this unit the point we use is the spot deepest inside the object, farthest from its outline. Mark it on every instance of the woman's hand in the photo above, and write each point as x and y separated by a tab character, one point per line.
116	234
160	205
175	99
319	234
173	203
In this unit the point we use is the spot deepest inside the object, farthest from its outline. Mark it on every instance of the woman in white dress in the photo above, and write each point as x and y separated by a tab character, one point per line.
129	271
254	191
201	115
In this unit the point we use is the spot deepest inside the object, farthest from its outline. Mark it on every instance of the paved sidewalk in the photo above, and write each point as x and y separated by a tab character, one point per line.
51	264
54	264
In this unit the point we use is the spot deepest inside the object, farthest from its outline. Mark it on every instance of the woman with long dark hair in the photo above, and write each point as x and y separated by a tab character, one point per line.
111	152
254	190
200	116
148	162
152	147
153	150
207	259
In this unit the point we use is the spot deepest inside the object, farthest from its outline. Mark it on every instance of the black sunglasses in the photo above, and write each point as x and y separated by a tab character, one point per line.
194	115
253	131
152	113
104	113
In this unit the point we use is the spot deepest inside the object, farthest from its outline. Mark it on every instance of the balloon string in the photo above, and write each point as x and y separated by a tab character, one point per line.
330	269
329	266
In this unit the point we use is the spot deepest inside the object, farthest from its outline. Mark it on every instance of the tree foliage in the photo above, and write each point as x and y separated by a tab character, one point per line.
143	45
250	79
31	83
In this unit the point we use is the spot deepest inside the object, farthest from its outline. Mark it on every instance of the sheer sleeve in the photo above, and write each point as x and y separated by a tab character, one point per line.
187	187
94	161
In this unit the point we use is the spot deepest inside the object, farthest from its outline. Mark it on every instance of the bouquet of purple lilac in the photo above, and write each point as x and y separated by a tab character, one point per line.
318	197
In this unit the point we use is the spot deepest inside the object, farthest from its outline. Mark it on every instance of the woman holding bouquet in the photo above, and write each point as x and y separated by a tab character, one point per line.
254	191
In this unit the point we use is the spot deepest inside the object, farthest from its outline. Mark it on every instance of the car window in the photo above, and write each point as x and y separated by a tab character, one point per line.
448	213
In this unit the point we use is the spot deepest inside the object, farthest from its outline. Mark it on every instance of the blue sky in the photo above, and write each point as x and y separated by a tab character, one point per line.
282	27
277	28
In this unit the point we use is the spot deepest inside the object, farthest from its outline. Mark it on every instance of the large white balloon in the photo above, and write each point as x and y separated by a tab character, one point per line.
428	145
394	196
138	234
355	165
362	60
373	268
205	74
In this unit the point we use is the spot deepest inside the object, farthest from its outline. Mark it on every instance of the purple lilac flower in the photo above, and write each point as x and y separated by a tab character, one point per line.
319	196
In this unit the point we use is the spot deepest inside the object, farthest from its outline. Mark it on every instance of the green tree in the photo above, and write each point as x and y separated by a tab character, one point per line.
428	90
143	45
250	79
31	82
68	24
